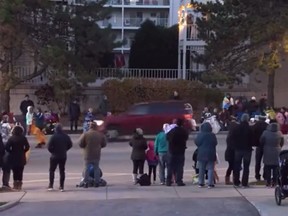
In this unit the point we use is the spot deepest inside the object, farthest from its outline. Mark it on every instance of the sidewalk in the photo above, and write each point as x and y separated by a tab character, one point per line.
222	198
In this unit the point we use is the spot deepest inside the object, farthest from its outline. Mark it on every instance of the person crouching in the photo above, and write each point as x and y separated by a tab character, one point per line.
92	142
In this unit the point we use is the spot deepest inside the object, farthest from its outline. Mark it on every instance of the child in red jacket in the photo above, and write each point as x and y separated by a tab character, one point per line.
152	160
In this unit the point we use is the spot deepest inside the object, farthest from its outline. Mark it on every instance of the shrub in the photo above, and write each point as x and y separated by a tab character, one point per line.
124	93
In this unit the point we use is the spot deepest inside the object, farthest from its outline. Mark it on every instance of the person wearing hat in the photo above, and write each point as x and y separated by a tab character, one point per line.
242	142
258	128
138	154
58	146
24	108
253	107
92	142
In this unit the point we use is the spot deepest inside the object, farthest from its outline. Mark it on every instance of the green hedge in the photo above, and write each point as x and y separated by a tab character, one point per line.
124	93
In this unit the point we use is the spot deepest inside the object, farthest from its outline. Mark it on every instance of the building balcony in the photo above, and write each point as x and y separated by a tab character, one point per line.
154	3
132	23
136	22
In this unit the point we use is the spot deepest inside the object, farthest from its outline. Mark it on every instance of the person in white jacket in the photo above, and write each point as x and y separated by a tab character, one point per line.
29	119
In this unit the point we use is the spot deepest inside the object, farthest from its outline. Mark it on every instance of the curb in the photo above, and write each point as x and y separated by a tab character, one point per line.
12	203
251	203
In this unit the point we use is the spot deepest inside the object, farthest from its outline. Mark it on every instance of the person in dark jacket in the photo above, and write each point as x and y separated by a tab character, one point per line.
74	114
177	138
58	146
258	128
272	141
206	142
138	155
2	151
17	146
242	139
229	152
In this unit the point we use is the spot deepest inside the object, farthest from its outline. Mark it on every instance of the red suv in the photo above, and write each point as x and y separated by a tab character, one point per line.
149	116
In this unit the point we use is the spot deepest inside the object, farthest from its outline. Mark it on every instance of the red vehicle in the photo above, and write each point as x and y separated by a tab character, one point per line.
149	116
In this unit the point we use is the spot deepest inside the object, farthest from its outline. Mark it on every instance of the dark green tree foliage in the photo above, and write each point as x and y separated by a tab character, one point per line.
62	40
154	47
242	36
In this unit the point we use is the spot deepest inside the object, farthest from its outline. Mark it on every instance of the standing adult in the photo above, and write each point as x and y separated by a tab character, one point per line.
138	156
6	167
272	141
161	149
206	142
2	152
74	114
23	108
242	139
258	128
92	142
177	138
104	106
58	145
229	152
17	146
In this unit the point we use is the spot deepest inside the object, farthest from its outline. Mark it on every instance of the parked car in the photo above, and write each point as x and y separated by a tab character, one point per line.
149	116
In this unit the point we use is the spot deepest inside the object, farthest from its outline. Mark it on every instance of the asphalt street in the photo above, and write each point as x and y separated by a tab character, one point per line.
121	197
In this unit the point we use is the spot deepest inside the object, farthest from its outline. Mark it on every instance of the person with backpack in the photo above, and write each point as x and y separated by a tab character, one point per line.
138	156
161	150
152	161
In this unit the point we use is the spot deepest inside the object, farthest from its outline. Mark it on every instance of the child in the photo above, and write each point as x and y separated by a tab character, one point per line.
89	117
39	126
152	160
29	119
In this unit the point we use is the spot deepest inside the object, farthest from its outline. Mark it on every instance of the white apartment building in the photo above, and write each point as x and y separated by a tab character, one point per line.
128	15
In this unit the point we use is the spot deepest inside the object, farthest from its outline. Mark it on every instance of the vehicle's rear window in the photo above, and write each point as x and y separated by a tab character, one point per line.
171	108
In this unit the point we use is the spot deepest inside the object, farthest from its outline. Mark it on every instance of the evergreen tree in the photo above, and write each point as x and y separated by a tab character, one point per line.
154	47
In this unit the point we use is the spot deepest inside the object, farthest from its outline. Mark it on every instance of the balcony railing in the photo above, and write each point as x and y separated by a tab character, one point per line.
147	2
103	74
136	22
116	22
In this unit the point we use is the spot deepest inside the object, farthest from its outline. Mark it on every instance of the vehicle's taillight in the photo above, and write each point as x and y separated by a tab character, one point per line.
188	116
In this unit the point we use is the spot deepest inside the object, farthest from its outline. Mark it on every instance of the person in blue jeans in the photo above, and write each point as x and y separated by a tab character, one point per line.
177	139
161	150
206	143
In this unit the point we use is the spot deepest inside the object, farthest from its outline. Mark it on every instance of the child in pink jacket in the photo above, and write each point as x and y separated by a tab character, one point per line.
152	160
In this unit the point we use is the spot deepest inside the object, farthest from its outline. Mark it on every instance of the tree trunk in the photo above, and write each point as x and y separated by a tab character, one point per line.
5	101
270	90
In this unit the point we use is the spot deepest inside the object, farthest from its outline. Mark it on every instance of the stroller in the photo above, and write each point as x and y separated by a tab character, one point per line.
50	119
90	182
281	190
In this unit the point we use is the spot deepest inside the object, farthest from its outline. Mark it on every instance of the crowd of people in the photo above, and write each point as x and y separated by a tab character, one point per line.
166	152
